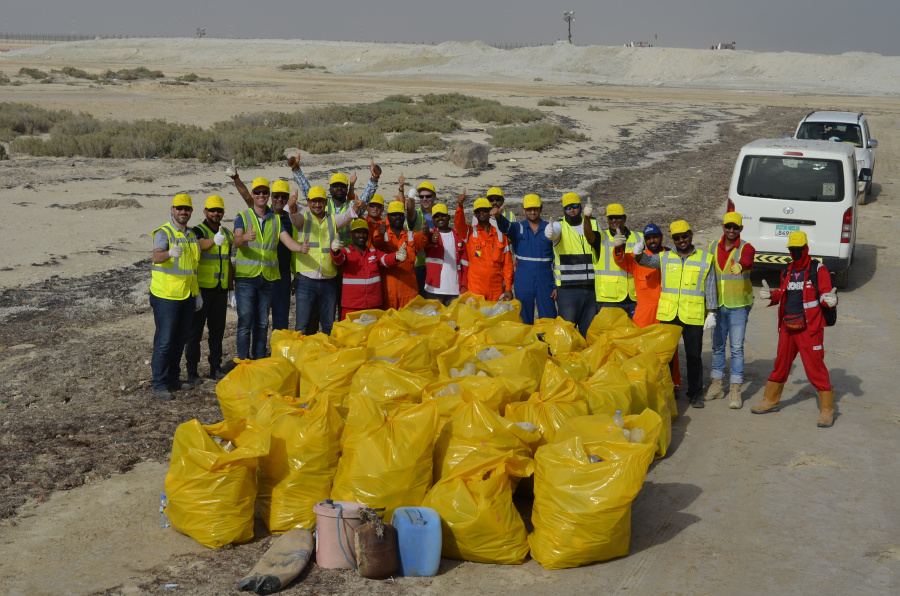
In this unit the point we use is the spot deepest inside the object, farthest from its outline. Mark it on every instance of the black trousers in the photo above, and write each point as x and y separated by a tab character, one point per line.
692	336
212	316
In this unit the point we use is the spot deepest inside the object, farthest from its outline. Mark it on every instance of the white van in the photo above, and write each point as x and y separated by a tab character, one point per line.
782	185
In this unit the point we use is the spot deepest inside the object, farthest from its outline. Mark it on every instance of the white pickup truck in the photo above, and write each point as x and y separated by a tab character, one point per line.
842	127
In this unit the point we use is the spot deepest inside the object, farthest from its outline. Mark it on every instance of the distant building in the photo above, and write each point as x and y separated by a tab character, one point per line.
639	44
724	45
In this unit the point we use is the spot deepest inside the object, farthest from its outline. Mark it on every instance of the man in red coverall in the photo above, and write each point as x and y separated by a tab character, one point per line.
490	271
805	290
361	268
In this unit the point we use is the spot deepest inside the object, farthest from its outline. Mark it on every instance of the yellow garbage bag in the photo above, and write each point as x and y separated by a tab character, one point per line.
388	385
477	429
330	372
471	310
478	518
508	333
574	364
526	362
211	488
559	399
582	500
239	389
646	371
294	346
660	340
299	468
387	458
602	427
561	335
354	330
411	353
598	353
451	394
607	320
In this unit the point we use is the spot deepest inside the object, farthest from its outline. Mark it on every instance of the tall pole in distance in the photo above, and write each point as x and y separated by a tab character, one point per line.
568	17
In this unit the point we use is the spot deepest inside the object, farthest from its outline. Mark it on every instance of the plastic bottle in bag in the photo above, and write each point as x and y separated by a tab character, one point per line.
163	518
618	420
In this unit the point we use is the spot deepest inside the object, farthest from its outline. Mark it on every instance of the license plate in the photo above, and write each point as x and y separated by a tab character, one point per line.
785	229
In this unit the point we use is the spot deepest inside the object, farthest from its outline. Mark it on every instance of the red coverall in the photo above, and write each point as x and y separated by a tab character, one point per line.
361	273
490	260
400	285
808	342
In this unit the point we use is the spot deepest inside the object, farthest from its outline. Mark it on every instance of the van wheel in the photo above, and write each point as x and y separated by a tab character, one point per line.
869	189
841	278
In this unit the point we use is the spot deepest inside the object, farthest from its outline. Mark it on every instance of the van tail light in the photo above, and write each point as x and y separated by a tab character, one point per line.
847	226
730	207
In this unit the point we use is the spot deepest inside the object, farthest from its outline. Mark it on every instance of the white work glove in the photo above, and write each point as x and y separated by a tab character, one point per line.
198	303
412	193
639	246
765	293
232	300
736	269
175	251
336	245
830	299
231	171
219	238
401	253
619	239
710	321
587	210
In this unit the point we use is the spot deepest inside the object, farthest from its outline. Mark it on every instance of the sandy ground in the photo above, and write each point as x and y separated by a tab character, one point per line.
743	505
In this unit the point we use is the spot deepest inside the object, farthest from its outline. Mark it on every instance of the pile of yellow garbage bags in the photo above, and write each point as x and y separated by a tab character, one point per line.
456	408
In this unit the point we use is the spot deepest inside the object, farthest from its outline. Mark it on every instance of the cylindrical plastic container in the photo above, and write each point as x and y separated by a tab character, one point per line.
419	540
336	523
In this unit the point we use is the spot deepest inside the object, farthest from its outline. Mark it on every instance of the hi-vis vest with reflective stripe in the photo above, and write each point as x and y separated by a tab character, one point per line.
259	257
573	258
613	284
319	235
215	261
176	279
683	286
735	291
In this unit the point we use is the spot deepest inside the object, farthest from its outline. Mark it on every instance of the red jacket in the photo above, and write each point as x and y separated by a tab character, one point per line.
811	299
434	261
361	271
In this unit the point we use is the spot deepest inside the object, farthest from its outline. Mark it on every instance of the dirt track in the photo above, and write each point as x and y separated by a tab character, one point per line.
744	504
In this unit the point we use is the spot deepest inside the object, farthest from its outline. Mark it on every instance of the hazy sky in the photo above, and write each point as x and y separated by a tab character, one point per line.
827	26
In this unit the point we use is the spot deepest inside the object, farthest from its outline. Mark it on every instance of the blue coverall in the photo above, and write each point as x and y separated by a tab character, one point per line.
533	282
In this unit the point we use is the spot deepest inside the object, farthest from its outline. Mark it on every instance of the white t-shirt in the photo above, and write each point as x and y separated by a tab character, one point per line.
449	277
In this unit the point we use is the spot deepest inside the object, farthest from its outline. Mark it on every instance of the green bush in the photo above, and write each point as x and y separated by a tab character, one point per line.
300	66
34	73
398	99
25	119
77	73
3	154
535	137
548	102
593	108
193	78
133	74
4	80
412	142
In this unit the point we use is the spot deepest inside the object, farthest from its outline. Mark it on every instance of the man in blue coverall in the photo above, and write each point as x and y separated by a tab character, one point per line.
533	282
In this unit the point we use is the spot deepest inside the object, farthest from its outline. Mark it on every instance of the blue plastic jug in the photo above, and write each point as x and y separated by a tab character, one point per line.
419	539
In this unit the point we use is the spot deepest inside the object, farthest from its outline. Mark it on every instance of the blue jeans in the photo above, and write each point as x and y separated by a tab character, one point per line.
173	320
253	295
316	295
627	305
729	322
577	305
281	301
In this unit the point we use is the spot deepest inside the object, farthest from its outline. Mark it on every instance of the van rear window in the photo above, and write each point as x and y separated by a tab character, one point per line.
792	178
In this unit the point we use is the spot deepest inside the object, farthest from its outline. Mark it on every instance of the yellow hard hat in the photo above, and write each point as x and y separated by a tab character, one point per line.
377	200
359	224
796	239
494	191
427	185
182	200
614	209
281	186
679	226
214	202
396	207
339	178
531	201
316	192
481	203
257	182
439	208
571	198
733	217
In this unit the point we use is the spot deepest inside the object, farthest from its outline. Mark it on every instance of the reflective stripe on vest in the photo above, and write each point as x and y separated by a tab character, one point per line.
735	291
683	287
572	258
174	279
362	282
214	261
259	256
318	234
613	284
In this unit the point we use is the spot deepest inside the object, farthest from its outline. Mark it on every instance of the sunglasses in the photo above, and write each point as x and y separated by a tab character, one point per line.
426	196
279	196
571	207
732	227
216	210
679	237
261	192
184	209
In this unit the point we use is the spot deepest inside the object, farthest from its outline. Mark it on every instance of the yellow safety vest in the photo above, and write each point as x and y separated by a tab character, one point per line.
259	257
573	258
215	260
735	291
176	279
683	285
614	284
319	235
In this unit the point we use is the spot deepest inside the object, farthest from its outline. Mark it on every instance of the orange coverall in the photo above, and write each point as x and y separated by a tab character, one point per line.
400	285
489	256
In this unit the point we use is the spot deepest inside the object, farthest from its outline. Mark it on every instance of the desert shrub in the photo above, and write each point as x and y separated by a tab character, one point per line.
133	74
77	73
34	73
300	66
398	99
593	108
4	80
532	136
548	102
411	142
193	78
3	154
25	119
